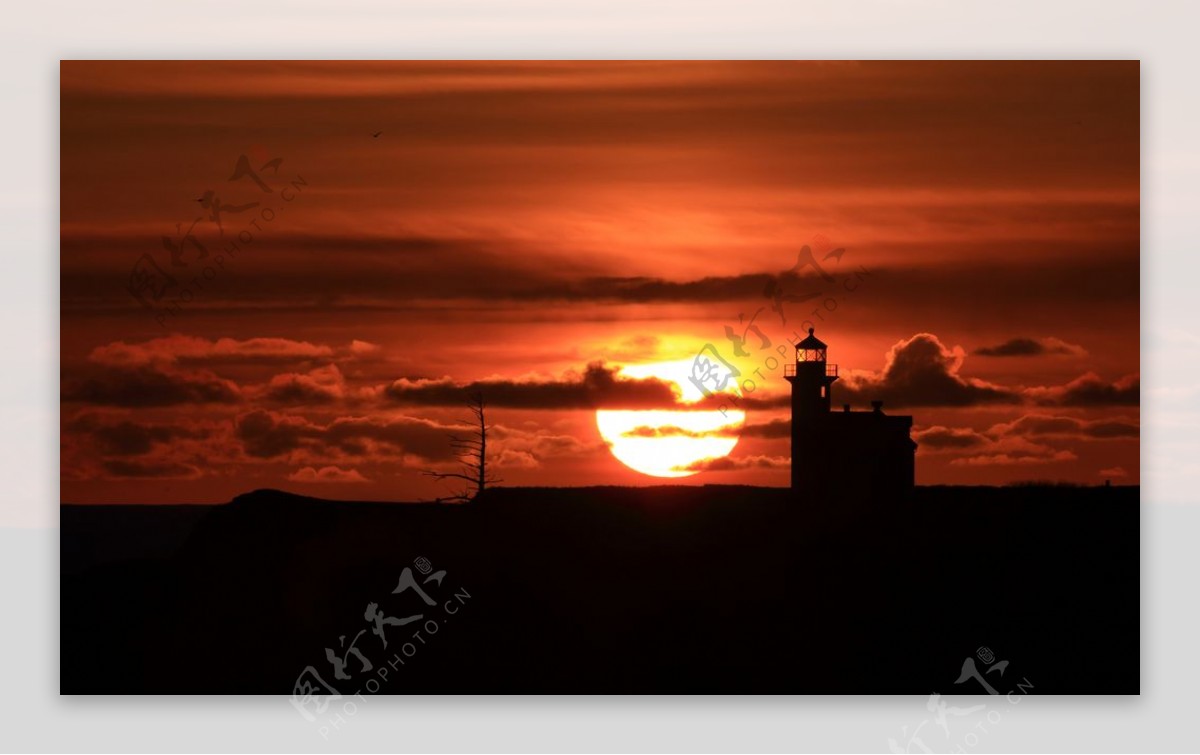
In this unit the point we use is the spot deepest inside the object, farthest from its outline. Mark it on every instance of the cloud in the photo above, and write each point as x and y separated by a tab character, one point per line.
1114	472
642	290
327	474
1020	441
179	348
730	464
125	468
149	386
538	443
109	444
126	438
363	350
634	349
1030	347
509	458
1019	453
1090	390
408	441
1044	425
776	428
456	271
939	438
598	386
165	372
672	431
1003	445
267	435
323	385
921	371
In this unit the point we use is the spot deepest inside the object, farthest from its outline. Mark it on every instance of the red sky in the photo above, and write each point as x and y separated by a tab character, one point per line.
515	223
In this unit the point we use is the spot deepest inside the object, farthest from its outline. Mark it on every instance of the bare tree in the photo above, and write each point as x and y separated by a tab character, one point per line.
471	450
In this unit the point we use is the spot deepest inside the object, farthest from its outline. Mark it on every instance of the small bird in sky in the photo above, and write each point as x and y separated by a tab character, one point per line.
376	134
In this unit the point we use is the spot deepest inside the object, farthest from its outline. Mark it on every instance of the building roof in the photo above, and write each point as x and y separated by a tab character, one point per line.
810	343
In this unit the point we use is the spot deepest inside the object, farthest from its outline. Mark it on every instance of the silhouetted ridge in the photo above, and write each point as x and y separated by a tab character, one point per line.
274	497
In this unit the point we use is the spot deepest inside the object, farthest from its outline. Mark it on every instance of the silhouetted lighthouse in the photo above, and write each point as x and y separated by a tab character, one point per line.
812	378
843	455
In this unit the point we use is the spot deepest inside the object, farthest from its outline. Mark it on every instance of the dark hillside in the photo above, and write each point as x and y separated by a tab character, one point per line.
716	589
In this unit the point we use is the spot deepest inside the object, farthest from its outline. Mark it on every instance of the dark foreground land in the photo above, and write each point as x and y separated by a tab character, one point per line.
717	589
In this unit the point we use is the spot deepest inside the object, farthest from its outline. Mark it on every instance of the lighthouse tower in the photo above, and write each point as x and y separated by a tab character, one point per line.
812	378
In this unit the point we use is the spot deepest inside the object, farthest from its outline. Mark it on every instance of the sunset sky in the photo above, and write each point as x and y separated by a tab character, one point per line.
550	232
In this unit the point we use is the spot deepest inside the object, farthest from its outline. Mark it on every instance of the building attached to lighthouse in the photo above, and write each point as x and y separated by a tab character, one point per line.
840	455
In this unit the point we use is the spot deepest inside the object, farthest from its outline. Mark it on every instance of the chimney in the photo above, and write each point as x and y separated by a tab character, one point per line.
846	408
877	407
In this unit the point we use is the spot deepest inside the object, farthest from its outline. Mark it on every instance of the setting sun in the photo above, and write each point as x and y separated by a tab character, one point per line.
666	442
